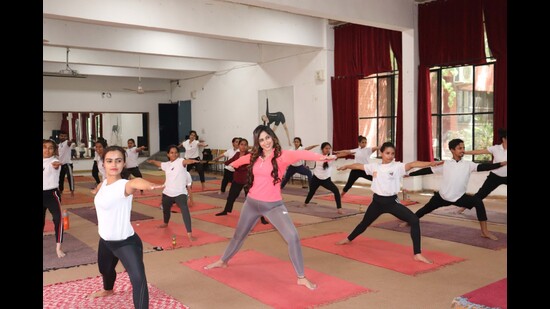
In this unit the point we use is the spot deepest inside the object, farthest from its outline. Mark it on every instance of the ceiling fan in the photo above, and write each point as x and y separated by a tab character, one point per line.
67	72
140	89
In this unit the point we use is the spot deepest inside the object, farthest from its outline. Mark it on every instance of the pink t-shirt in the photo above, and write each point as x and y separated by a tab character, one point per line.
263	188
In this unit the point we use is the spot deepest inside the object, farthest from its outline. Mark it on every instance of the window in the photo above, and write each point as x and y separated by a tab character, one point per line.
462	107
377	108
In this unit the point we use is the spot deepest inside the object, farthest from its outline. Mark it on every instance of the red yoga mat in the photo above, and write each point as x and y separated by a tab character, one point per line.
49	227
380	253
74	294
78	198
493	295
197	206
149	232
231	220
273	281
359	199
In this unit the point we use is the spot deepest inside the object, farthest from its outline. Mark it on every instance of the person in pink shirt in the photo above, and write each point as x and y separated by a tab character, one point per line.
267	163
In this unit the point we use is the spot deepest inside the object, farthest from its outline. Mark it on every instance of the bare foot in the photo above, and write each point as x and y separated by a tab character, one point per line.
419	257
162	225
403	224
202	186
340	211
60	253
304	205
342	194
489	235
460	210
72	193
218	263
343	241
191	238
102	293
220	192
308	284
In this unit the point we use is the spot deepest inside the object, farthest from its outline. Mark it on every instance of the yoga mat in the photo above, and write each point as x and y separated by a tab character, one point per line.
154	178
231	219
380	253
77	253
74	294
273	281
197	188
162	237
454	233
79	178
360	199
215	181
318	210
491	296
239	199
197	206
147	194
303	192
91	215
87	184
49	227
78	198
470	214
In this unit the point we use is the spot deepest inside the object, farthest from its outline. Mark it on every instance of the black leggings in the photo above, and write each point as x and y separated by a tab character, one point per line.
68	170
234	192
389	204
181	201
466	201
327	184
51	200
491	183
291	170
130	252
95	172
126	172
227	178
353	176
198	167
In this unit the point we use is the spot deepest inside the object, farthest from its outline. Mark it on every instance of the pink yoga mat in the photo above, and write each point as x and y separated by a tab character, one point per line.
73	294
149	232
232	219
197	206
49	227
273	281
493	295
359	199
380	253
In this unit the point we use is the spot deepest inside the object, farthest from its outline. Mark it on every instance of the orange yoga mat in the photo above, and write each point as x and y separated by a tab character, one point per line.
74	294
380	253
149	232
49	226
78	198
232	219
359	199
273	281
155	202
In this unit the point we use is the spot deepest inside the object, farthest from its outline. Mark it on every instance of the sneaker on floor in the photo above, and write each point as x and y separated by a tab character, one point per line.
223	213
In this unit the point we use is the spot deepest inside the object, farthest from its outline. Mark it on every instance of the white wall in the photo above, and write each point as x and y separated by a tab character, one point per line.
129	126
84	95
50	122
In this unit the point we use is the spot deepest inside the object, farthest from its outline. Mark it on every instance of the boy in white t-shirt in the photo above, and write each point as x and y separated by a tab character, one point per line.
132	154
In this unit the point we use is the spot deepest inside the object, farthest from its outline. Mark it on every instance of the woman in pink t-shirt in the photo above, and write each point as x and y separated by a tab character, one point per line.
267	163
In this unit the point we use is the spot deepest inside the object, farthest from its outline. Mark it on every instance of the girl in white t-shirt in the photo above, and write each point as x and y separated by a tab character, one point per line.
386	183
192	151
177	187
51	197
362	155
321	177
298	167
118	241
228	170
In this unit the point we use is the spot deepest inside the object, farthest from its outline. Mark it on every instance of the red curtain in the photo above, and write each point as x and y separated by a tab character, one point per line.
396	45
64	123
73	126
496	25
449	33
345	110
358	51
83	125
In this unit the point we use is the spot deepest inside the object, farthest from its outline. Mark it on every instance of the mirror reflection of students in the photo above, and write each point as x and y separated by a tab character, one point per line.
192	152
276	118
51	198
64	151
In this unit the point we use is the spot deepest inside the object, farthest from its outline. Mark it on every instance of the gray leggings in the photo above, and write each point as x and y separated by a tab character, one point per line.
181	201
277	214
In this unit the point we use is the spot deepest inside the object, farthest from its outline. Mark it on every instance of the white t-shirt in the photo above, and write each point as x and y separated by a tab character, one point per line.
455	178
132	157
101	168
386	178
228	154
499	155
177	178
113	210
50	175
191	149
301	162
362	155
321	173
65	153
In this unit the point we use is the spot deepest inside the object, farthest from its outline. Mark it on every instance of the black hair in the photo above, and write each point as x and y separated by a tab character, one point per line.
299	139
455	142
387	145
502	133
258	151
235	139
114	148
360	138
323	145
170	147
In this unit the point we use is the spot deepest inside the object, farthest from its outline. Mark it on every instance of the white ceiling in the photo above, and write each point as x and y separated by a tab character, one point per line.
181	39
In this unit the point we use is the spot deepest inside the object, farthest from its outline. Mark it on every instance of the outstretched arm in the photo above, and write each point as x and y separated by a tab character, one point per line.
374	149
154	162
414	164
490	166
353	166
477	152
140	148
424	171
141	184
311	147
